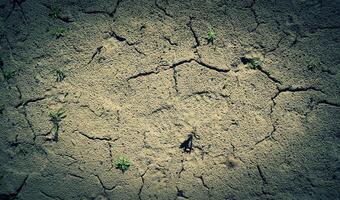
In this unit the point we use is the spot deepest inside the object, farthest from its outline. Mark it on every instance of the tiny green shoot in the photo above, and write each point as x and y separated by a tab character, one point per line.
122	164
8	74
55	12
59	32
60	75
55	118
211	36
252	63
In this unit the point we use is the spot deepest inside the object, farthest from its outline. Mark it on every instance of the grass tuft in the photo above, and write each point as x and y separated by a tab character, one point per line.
211	36
8	74
55	118
252	63
59	32
55	12
122	164
60	75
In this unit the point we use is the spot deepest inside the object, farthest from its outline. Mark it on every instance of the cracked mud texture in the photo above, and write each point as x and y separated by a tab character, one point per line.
140	77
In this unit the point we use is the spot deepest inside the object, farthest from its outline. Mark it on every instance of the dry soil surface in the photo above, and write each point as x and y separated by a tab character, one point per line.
141	76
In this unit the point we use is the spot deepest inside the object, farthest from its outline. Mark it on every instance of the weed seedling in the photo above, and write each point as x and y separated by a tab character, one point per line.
8	74
122	164
251	63
211	37
55	12
55	118
60	32
60	75
254	64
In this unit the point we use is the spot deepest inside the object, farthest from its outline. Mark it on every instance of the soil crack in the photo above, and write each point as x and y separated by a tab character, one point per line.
34	100
50	196
208	94
182	169
64	18
329	103
252	9
75	176
104	138
24	111
17	3
97	51
159	69
110	154
174	75
143	74
211	67
160	109
103	185
141	188
17	192
110	14
272	78
162	9
117	37
197	42
180	193
264	180
168	39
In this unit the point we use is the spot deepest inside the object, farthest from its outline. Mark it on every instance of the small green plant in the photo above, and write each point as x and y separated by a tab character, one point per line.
55	12
211	37
60	75
252	63
122	163
55	118
8	74
59	32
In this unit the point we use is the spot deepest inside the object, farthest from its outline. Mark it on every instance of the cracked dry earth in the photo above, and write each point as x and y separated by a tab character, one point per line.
140	77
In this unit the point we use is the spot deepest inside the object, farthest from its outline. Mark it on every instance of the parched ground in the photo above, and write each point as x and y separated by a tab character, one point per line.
141	77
